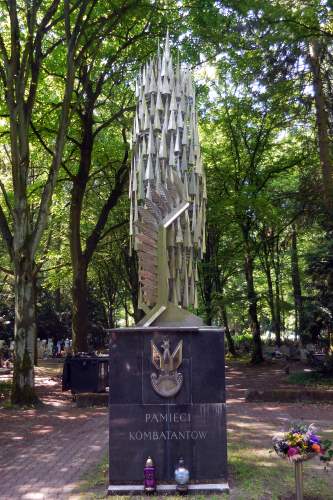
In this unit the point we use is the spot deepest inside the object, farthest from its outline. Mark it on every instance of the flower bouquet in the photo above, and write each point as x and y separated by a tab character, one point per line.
299	443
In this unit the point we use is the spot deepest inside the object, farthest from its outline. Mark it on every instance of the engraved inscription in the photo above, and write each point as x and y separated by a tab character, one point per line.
164	417
166	435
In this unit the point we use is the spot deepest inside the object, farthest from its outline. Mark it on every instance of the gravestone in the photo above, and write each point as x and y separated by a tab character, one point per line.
190	424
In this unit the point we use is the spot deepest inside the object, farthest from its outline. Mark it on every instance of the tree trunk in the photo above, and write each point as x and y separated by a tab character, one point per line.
126	317
57	293
79	261
270	291
282	311
80	307
25	332
35	294
324	144
252	298
57	299
208	305
81	258
111	322
79	266
230	340
131	268
277	310
277	271
209	276
220	283
297	290
138	313
267	260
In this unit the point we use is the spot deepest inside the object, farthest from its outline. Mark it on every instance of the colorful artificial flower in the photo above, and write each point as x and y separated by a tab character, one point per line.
314	439
300	443
293	451
316	447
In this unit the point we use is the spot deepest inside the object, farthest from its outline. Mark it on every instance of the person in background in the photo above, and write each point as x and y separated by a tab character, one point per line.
59	348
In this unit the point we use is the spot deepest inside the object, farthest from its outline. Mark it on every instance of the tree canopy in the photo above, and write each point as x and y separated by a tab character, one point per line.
263	78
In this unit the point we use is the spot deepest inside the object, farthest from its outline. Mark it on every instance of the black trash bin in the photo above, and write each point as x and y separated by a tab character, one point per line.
85	374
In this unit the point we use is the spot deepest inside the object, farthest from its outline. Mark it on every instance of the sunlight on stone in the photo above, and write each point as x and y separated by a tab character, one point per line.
68	417
33	496
261	452
55	403
266	464
95	447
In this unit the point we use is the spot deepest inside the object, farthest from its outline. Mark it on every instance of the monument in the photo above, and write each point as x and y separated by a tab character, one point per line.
167	385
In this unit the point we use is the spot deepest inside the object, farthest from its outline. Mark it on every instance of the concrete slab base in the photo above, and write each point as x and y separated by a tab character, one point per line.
199	488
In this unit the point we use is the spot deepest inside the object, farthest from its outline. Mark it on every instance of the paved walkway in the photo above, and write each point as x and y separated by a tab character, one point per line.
44	452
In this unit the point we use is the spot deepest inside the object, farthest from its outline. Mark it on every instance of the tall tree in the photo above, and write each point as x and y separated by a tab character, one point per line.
297	289
31	33
316	54
250	155
103	102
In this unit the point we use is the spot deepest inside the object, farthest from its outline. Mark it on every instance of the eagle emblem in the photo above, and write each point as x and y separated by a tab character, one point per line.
168	382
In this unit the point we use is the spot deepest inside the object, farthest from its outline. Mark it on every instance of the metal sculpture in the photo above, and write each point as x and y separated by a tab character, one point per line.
167	187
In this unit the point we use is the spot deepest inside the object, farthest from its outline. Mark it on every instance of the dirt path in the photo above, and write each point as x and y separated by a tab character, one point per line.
241	377
242	416
253	424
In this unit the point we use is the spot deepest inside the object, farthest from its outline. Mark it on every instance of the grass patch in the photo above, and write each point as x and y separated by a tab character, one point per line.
261	474
311	379
5	389
95	482
254	474
5	402
240	358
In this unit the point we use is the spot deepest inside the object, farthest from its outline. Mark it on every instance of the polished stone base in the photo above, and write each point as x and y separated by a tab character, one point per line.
191	424
195	432
193	489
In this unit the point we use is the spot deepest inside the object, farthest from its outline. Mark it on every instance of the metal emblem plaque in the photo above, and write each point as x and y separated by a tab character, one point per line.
168	381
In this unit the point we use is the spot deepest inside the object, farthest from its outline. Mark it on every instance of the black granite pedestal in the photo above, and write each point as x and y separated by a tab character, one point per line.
191	424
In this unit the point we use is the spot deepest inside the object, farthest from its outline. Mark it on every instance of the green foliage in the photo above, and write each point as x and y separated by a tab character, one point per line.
259	145
5	389
311	379
319	262
243	340
328	451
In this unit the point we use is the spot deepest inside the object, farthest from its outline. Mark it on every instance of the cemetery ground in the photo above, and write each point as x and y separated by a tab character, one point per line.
59	451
